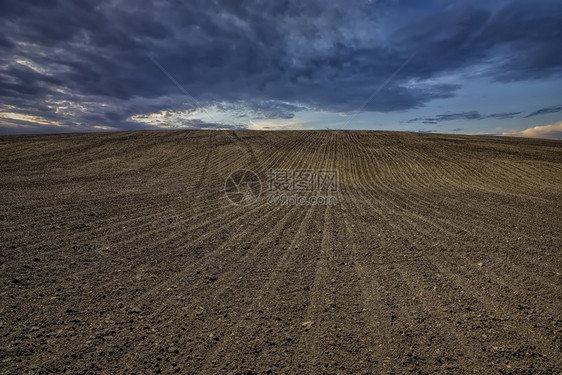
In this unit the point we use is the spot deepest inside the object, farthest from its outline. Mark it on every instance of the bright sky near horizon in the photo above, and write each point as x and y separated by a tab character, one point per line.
465	67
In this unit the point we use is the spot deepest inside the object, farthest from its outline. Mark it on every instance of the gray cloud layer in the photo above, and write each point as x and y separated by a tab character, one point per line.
475	115
546	110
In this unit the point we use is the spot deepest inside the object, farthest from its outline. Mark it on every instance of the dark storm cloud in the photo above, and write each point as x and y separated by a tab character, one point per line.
87	62
514	42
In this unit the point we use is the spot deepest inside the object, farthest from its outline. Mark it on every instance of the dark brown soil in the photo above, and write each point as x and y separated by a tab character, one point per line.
120	253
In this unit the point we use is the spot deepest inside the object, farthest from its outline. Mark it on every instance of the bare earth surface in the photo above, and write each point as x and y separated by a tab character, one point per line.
120	253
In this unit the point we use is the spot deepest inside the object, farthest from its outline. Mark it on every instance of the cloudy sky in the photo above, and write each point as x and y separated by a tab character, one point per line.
470	67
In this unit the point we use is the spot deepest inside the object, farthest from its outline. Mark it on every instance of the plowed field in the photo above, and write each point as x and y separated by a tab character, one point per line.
120	253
